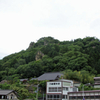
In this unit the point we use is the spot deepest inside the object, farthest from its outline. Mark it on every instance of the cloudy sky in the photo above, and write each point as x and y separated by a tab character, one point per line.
25	21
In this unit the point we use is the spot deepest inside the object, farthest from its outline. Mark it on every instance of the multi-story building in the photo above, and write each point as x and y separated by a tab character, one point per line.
96	82
58	90
87	95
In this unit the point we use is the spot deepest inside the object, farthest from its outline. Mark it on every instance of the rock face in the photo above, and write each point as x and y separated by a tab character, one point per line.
31	45
39	55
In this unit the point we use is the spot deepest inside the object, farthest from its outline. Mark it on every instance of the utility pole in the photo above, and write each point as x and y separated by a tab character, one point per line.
83	89
43	95
37	92
83	92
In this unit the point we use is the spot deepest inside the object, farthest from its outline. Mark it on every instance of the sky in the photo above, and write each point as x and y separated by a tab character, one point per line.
25	21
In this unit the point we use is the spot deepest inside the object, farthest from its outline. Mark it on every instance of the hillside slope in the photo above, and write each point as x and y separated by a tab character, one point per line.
49	54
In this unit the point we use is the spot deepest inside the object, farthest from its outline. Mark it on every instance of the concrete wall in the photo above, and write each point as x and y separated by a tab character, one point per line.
96	86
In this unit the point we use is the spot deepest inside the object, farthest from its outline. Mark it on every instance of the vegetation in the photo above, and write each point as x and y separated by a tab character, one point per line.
80	54
79	59
25	90
58	56
80	76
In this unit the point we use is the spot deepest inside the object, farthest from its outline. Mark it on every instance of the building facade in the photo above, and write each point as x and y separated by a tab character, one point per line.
96	82
58	90
87	95
8	95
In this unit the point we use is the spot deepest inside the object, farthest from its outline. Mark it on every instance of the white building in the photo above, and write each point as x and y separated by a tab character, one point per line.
58	90
96	82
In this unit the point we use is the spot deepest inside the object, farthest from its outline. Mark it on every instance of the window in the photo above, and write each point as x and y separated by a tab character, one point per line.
80	97
53	97
11	96
2	97
65	88
54	89
66	84
58	96
92	97
87	97
58	83
64	96
54	83
59	89
98	97
70	97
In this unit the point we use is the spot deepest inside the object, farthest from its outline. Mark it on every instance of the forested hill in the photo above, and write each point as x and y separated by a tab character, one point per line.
49	55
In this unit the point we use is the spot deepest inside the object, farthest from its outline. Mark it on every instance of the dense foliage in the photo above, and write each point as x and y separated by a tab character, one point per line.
23	89
79	54
80	76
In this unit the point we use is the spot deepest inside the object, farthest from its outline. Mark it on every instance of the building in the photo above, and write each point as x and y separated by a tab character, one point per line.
8	95
51	76
96	82
58	90
76	83
23	80
87	95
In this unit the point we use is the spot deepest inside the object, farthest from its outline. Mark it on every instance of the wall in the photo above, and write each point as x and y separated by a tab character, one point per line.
12	94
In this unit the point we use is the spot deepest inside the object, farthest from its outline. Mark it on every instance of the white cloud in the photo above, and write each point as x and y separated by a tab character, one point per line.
23	21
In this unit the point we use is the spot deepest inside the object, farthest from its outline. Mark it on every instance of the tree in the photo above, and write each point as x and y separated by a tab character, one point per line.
82	76
76	60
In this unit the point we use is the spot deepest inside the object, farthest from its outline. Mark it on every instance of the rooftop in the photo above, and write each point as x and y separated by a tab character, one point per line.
50	76
5	92
96	77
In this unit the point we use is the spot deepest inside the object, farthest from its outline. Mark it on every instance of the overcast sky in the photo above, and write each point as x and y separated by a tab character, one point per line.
25	21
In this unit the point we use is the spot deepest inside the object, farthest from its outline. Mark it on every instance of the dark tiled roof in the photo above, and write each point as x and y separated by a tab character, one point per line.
5	92
50	76
96	77
34	78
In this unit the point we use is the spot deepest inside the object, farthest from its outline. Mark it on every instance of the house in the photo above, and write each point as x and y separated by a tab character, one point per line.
58	89
96	82
87	95
23	80
8	95
50	76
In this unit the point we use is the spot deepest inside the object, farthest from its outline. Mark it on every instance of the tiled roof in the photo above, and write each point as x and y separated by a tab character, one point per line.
50	76
34	78
96	77
5	92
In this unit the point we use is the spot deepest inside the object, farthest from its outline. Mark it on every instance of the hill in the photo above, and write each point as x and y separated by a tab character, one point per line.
50	55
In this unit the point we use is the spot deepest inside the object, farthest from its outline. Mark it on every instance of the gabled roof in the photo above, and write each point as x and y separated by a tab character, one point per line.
50	76
5	92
